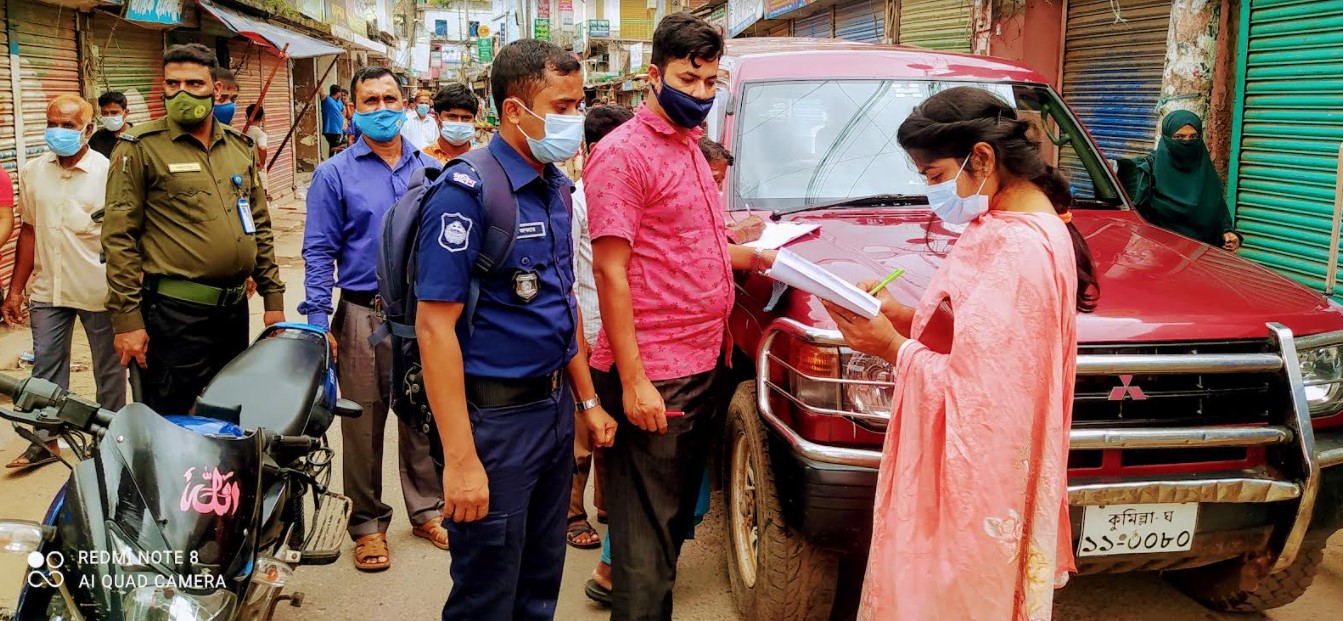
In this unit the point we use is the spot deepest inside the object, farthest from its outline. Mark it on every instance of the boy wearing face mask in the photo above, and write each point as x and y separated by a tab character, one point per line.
112	109
657	229
58	257
186	226
226	98
503	387
349	195
421	126
455	106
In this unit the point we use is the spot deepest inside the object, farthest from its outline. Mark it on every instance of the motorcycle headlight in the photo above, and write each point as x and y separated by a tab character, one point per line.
1322	371
165	603
20	537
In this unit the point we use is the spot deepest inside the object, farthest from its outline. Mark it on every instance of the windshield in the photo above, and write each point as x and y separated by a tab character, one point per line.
813	142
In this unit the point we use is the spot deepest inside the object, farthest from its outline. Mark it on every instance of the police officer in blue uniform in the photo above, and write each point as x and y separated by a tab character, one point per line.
503	388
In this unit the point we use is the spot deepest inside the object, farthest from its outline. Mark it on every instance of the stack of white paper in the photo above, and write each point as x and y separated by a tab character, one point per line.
777	234
795	271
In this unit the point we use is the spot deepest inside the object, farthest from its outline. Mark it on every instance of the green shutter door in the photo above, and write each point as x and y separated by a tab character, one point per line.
936	24
1287	131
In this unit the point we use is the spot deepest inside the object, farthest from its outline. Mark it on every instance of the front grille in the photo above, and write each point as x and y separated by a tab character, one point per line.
1174	400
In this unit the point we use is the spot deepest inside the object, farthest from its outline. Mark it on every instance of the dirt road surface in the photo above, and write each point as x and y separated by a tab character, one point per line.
417	584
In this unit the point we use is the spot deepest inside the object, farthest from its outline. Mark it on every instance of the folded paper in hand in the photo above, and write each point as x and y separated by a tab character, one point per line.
795	271
779	234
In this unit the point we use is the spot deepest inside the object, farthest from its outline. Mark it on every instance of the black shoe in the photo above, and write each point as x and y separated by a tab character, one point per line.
598	593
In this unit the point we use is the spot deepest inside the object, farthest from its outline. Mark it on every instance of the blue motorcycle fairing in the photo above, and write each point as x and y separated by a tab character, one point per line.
207	426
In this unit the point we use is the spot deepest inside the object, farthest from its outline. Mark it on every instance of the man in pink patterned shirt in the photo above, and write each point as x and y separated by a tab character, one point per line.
663	269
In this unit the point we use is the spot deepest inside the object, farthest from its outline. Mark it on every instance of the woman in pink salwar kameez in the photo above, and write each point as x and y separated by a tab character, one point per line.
971	515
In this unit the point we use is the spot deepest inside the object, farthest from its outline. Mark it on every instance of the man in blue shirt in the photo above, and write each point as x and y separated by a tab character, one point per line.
503	387
346	202
333	117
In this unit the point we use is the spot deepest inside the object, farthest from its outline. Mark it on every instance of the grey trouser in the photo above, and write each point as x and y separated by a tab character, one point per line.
365	378
53	327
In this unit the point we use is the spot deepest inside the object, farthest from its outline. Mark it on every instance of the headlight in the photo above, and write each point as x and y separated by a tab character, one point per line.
155	603
20	537
828	378
1322	371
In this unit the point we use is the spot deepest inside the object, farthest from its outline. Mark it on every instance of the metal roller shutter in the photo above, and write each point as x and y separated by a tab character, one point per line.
1112	75
936	24
48	63
253	64
8	145
128	58
817	26
1287	133
782	29
864	20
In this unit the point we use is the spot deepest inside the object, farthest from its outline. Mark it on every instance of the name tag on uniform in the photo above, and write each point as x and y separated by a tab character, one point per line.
245	214
185	167
528	230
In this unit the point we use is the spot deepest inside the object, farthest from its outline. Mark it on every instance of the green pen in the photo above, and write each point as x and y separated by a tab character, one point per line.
889	279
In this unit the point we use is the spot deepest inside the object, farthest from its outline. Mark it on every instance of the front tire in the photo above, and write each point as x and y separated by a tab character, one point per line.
776	574
1218	586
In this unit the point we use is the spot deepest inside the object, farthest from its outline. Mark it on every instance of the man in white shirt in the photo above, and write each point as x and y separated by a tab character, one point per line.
421	126
260	141
58	263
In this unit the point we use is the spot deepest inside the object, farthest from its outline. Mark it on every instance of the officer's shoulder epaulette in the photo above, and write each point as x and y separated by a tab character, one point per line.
462	175
144	129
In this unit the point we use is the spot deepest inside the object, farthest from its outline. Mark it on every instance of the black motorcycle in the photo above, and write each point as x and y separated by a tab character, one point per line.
188	518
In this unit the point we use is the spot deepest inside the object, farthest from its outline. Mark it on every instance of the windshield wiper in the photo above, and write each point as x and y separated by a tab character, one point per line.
875	200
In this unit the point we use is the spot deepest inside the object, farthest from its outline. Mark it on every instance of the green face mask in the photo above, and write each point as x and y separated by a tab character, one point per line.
187	109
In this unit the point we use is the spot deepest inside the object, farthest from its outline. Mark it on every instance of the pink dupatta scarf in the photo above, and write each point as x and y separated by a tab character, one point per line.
971	517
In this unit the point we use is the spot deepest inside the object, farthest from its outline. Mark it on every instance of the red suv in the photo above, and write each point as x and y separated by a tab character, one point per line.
1207	435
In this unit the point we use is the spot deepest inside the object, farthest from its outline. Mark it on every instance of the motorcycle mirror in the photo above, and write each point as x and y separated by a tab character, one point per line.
348	409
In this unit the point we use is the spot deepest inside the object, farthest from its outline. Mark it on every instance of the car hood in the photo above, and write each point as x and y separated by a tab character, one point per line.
1155	285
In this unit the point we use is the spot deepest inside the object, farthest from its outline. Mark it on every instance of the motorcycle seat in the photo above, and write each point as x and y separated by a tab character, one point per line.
273	384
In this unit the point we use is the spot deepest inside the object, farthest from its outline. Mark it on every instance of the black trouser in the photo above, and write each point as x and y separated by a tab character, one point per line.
334	140
652	486
188	344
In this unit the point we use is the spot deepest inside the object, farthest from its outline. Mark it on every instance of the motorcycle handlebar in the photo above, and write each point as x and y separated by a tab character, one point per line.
10	386
304	443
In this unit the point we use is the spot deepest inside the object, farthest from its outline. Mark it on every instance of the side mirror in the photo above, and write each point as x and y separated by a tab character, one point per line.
348	409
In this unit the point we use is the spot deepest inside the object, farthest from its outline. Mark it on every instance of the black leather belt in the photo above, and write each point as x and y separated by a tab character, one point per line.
490	392
358	298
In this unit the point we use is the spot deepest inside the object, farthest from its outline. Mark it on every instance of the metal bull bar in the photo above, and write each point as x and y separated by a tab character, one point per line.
1291	427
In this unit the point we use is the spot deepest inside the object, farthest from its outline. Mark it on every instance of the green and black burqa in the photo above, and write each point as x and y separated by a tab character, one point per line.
1176	186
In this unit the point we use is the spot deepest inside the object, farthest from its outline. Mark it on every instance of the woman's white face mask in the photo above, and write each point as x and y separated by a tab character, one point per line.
947	203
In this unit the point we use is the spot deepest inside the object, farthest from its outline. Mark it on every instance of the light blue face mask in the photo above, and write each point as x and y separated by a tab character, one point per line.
64	142
457	133
564	135
380	125
947	203
423	109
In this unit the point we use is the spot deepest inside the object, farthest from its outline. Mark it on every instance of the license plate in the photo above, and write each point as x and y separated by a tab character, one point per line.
1137	529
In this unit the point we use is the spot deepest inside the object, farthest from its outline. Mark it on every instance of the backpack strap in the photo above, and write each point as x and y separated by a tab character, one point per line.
501	223
421	181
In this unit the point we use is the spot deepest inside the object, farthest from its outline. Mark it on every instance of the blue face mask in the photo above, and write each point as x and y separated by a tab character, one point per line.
423	109
380	125
683	109
564	135
224	112
457	133
947	203
64	142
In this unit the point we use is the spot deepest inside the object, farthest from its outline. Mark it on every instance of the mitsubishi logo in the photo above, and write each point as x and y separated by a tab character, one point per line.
1125	390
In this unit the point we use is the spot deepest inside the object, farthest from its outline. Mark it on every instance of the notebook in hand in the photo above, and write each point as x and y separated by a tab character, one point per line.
800	273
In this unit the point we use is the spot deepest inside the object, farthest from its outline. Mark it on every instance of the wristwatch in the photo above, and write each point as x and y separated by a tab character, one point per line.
584	406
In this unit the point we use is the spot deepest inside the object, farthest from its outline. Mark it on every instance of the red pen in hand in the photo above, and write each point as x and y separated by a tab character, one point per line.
671	413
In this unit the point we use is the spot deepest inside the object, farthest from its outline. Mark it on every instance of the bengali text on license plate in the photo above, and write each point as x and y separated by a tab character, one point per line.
1137	529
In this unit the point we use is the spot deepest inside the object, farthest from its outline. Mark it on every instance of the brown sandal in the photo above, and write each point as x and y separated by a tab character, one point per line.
434	531
369	548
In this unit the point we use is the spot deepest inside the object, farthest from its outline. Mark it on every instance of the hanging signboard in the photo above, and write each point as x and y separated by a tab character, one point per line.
566	5
543	8
719	18
167	12
775	8
315	9
742	13
452	55
541	28
599	28
636	57
485	50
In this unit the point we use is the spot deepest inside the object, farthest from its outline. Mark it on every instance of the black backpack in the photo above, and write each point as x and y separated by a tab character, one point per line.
397	254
